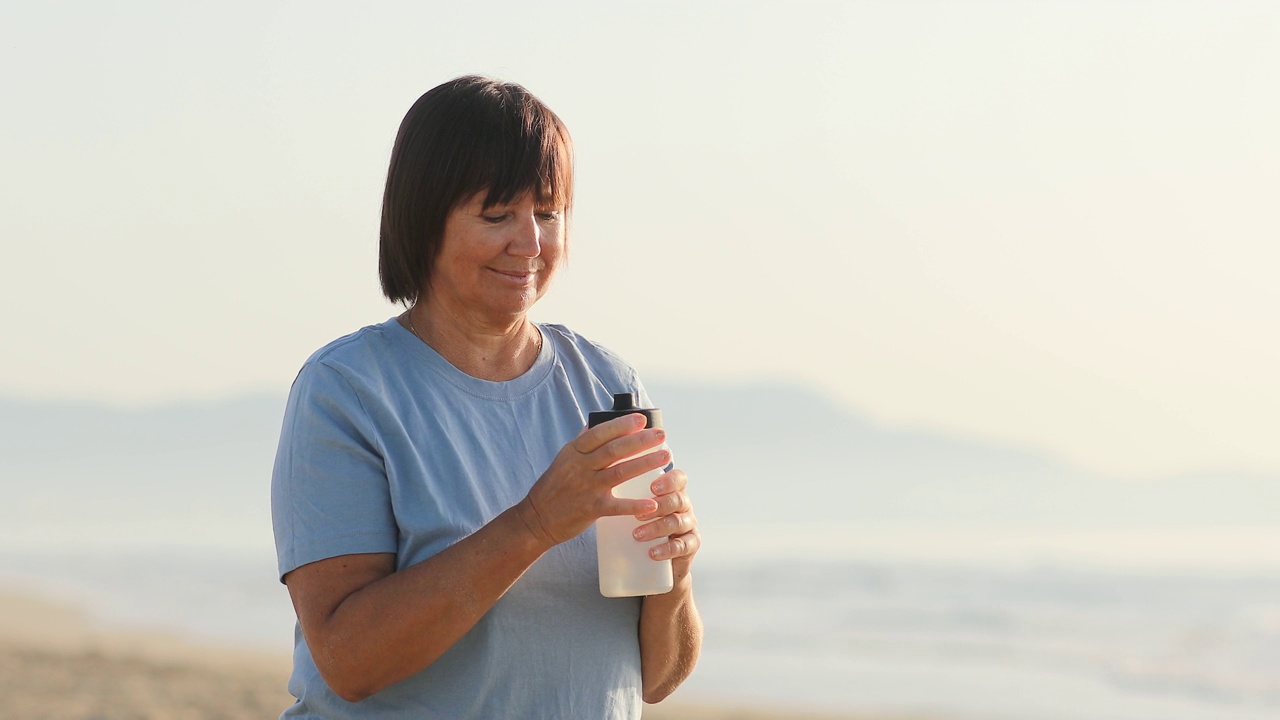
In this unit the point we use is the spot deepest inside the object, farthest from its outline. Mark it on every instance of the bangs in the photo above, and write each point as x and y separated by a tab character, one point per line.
519	146
541	163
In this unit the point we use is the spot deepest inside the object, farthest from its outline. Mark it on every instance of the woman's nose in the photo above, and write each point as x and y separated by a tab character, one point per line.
526	240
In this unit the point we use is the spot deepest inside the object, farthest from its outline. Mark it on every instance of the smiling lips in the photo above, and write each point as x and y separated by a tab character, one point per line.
517	275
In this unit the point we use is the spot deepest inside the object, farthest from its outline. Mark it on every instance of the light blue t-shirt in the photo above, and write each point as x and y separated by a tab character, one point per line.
386	447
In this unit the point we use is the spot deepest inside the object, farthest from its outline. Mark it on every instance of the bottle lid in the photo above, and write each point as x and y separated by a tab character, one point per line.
625	404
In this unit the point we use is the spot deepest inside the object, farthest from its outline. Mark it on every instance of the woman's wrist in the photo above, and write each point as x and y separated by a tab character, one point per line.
679	594
530	523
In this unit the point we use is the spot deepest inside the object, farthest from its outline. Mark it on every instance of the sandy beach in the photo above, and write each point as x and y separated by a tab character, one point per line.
56	664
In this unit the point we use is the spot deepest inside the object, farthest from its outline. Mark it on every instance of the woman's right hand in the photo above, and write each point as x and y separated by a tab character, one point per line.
578	487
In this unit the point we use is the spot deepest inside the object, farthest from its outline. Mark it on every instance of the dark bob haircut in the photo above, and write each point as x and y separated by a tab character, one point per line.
467	135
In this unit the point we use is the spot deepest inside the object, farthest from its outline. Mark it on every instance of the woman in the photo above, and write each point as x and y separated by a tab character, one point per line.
434	489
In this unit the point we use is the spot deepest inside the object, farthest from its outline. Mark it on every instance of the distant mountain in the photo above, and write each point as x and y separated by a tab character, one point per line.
194	473
756	453
764	451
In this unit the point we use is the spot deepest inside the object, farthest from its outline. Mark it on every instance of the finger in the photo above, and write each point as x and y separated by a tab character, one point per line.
627	506
676	524
670	482
627	446
680	546
624	471
669	504
593	438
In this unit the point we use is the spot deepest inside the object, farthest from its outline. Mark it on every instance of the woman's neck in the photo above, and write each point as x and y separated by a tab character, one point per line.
481	348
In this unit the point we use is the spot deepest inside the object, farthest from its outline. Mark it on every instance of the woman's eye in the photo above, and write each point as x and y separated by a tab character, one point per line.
493	219
549	216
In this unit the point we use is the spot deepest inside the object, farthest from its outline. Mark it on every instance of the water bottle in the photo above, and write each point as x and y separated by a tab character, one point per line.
626	570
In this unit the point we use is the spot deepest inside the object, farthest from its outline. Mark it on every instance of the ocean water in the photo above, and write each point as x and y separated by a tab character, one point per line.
981	642
963	640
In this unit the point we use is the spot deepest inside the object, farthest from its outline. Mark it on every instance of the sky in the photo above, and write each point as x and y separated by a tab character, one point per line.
1050	225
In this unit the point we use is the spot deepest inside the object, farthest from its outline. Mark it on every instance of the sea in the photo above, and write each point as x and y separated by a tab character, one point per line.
840	624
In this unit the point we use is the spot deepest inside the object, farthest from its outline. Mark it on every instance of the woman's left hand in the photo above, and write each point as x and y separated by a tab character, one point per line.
674	519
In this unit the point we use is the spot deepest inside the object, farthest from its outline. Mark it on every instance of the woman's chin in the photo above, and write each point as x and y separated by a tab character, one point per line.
511	309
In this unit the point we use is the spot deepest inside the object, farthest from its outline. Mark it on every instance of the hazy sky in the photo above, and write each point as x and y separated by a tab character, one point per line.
1047	224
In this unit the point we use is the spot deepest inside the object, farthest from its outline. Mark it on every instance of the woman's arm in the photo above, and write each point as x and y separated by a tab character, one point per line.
670	628
368	626
670	640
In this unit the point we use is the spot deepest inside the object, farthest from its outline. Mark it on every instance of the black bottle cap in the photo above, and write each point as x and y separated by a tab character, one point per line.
625	404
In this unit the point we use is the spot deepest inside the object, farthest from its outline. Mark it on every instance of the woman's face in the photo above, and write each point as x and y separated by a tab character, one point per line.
495	263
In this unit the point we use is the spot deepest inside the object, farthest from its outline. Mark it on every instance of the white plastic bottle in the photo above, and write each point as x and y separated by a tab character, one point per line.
626	570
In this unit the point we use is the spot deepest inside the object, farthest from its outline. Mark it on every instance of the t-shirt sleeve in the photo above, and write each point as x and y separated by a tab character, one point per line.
329	490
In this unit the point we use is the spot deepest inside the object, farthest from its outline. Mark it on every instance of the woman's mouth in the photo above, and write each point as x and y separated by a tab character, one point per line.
516	275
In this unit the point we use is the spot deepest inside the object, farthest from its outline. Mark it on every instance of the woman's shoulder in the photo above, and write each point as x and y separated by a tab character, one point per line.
564	337
359	351
574	349
352	369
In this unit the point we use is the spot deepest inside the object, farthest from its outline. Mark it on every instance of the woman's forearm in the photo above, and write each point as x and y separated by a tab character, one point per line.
670	639
400	622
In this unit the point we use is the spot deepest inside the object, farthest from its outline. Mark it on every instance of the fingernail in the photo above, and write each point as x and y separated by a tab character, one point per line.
655	553
662	434
659	487
638	533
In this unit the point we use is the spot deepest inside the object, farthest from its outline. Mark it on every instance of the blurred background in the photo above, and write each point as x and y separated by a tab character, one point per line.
962	315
